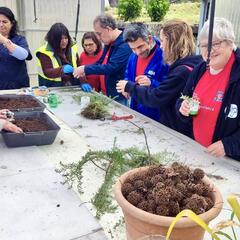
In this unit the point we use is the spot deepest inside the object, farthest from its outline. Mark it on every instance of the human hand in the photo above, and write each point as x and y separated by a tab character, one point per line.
126	95
3	113
68	68
86	87
185	108
216	149
2	39
11	127
121	86
79	72
143	80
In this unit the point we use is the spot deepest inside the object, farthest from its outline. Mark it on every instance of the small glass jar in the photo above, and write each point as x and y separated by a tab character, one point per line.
53	100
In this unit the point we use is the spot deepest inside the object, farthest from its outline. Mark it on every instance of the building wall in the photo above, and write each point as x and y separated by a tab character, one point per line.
230	10
47	13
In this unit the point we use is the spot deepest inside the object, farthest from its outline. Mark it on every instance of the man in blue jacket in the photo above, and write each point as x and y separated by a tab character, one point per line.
112	64
145	65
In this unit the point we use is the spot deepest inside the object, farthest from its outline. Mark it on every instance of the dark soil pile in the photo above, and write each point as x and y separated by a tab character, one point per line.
32	124
18	103
166	191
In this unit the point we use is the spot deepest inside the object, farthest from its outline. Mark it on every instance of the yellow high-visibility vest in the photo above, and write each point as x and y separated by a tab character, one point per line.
50	54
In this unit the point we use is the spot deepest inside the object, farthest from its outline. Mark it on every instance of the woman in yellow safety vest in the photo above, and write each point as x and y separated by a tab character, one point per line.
57	58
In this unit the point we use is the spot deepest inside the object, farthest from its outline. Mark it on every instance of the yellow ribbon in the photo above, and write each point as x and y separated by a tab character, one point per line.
232	200
195	218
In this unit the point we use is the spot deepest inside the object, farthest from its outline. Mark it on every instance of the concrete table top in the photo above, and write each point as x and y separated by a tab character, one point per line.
100	135
37	212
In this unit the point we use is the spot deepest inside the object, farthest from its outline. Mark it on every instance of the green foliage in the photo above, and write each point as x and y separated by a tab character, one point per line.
157	9
114	163
129	9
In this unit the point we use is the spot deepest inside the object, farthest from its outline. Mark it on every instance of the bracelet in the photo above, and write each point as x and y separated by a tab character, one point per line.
8	42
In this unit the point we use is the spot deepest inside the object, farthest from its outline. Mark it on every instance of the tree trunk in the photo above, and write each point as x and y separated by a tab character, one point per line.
113	3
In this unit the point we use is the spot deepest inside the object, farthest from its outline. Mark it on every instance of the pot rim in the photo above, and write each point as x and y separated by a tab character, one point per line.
162	220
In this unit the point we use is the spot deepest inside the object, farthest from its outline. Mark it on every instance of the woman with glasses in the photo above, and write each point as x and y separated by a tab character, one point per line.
217	87
57	58
13	53
92	52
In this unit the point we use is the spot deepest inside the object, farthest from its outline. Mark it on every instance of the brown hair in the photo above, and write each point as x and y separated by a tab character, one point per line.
180	40
93	36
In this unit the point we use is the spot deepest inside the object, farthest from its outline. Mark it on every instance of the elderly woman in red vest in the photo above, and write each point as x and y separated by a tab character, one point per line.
217	87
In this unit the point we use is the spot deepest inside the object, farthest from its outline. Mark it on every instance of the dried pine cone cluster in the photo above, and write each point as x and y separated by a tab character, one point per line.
168	190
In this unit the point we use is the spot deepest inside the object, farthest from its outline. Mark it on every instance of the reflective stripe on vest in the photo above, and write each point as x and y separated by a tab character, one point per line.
42	49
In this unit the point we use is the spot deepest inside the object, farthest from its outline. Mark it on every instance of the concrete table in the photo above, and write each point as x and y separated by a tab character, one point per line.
34	204
100	135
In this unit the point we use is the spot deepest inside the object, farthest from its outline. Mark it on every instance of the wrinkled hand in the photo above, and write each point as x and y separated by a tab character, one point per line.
121	86
216	149
86	87
68	68
143	80
79	72
11	127
185	108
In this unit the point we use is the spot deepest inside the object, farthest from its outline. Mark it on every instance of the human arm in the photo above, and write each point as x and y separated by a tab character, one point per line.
116	62
167	92
19	49
47	67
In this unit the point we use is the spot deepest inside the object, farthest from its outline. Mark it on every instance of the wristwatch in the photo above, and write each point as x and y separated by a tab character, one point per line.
8	42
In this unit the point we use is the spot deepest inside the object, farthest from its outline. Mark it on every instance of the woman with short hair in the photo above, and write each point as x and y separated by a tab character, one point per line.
13	53
177	43
57	58
92	51
217	87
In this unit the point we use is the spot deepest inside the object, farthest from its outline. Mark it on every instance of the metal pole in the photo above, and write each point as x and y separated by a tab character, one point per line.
77	20
211	25
35	11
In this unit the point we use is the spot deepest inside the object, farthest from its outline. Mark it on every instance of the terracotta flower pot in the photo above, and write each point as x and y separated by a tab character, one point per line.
140	223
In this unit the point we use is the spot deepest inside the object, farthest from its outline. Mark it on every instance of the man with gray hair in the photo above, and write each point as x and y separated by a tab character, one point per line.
145	65
112	64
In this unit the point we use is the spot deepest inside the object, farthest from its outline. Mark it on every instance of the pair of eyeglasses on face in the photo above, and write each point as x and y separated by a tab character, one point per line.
215	45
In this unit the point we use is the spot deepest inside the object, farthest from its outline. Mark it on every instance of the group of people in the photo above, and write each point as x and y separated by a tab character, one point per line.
150	71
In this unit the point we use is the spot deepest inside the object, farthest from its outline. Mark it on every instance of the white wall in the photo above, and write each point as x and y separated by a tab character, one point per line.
230	10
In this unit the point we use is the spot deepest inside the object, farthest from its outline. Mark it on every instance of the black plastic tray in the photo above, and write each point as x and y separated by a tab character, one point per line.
40	106
32	138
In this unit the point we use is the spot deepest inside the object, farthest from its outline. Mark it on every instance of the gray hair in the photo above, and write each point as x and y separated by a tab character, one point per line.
105	20
222	30
136	30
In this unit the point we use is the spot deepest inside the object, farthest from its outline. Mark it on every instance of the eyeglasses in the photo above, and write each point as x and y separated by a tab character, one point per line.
215	45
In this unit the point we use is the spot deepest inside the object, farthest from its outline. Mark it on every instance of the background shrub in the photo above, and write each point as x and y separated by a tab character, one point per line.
157	9
129	9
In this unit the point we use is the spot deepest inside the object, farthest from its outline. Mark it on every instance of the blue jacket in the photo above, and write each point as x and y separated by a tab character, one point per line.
155	71
115	67
14	71
164	97
227	126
